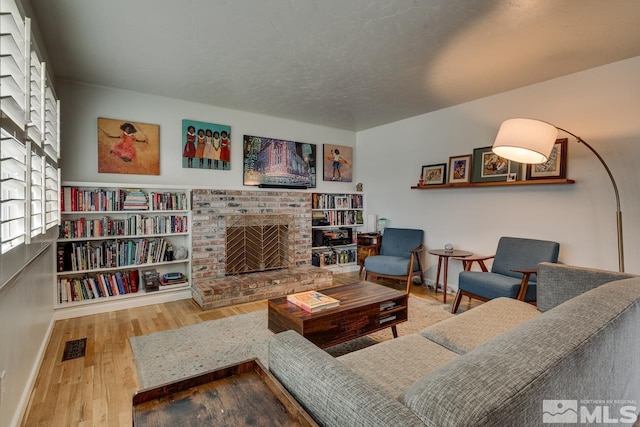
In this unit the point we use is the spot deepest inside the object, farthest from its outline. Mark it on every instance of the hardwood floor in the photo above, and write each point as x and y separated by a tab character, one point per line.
96	390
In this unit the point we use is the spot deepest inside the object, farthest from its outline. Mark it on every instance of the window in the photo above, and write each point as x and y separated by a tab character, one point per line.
13	185
29	143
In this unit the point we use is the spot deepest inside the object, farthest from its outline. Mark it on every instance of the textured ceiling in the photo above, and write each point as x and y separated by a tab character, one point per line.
350	64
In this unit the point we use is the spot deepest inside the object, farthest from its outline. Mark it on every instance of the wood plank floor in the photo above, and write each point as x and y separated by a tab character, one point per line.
96	390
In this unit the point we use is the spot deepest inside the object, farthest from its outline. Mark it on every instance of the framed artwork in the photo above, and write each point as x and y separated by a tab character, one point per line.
337	163
126	146
434	174
206	145
270	162
555	167
460	169
489	167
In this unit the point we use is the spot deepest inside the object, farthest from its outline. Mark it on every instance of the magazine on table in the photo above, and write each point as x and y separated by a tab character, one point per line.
312	301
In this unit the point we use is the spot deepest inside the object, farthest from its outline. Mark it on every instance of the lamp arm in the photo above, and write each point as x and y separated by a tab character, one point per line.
615	189
613	181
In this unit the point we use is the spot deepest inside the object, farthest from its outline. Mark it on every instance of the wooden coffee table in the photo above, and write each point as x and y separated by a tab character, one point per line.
364	308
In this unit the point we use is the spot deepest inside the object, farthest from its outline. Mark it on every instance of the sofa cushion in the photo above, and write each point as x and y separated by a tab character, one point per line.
585	348
395	364
332	393
472	328
494	285
391	265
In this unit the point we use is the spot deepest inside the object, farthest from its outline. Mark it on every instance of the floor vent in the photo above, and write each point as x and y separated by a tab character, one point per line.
74	349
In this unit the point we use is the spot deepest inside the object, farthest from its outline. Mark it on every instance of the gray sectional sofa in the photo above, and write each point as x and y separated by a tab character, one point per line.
494	365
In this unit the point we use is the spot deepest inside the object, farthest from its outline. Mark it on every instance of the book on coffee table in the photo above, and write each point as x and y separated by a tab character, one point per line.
312	301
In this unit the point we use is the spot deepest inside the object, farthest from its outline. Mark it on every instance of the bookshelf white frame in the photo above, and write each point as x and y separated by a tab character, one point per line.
332	205
127	300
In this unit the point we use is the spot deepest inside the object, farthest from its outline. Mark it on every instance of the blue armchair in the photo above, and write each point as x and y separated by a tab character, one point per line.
399	256
513	273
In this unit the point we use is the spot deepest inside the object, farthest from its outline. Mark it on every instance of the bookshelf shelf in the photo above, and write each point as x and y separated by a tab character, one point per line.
104	248
119	268
140	236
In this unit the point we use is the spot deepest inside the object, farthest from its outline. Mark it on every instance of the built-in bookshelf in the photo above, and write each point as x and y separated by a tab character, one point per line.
113	239
336	218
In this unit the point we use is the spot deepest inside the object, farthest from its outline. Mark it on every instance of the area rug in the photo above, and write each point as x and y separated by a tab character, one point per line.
167	356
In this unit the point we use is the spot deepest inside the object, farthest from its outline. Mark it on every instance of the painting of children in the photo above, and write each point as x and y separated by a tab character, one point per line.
208	143
129	147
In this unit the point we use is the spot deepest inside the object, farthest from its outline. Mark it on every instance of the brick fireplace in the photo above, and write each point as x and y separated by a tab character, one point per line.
211	287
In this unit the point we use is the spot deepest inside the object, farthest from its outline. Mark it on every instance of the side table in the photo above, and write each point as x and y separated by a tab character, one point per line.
368	244
443	254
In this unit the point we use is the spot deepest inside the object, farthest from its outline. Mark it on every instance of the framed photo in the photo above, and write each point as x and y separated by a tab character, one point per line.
337	163
460	169
126	146
205	145
489	167
555	167
434	174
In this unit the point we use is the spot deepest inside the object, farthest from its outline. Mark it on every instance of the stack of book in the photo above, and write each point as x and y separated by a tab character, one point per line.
135	200
312	301
170	280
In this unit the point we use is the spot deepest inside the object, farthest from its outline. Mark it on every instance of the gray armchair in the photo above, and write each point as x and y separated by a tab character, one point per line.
513	273
399	256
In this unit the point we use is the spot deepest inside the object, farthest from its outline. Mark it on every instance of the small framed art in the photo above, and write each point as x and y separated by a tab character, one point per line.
460	169
489	167
434	174
337	163
555	167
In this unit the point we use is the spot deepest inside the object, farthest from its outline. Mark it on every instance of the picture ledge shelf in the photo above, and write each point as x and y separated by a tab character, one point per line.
495	184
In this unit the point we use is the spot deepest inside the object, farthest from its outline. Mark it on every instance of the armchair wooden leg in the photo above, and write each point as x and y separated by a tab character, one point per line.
456	302
420	269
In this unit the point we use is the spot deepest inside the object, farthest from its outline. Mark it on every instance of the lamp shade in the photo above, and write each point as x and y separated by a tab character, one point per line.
525	140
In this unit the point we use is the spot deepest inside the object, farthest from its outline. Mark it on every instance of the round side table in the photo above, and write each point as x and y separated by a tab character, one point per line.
443	254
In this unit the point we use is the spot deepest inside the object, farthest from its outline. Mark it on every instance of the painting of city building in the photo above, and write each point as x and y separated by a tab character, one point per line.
275	162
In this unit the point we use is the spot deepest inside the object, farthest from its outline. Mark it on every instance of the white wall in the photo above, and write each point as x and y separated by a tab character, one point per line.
26	310
602	105
83	104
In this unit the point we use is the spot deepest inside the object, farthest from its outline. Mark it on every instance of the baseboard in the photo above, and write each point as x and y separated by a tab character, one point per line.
121	304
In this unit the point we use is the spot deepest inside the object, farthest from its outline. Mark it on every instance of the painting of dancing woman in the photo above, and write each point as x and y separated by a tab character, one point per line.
129	147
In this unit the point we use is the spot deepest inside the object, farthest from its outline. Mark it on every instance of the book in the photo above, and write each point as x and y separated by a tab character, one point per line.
312	301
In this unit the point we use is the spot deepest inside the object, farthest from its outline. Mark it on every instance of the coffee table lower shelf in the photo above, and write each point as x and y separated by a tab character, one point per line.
221	397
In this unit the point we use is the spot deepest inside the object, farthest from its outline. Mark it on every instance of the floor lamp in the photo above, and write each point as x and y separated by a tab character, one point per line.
531	141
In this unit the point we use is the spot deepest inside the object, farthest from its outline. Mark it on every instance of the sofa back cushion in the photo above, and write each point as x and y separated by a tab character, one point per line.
399	241
558	283
586	348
